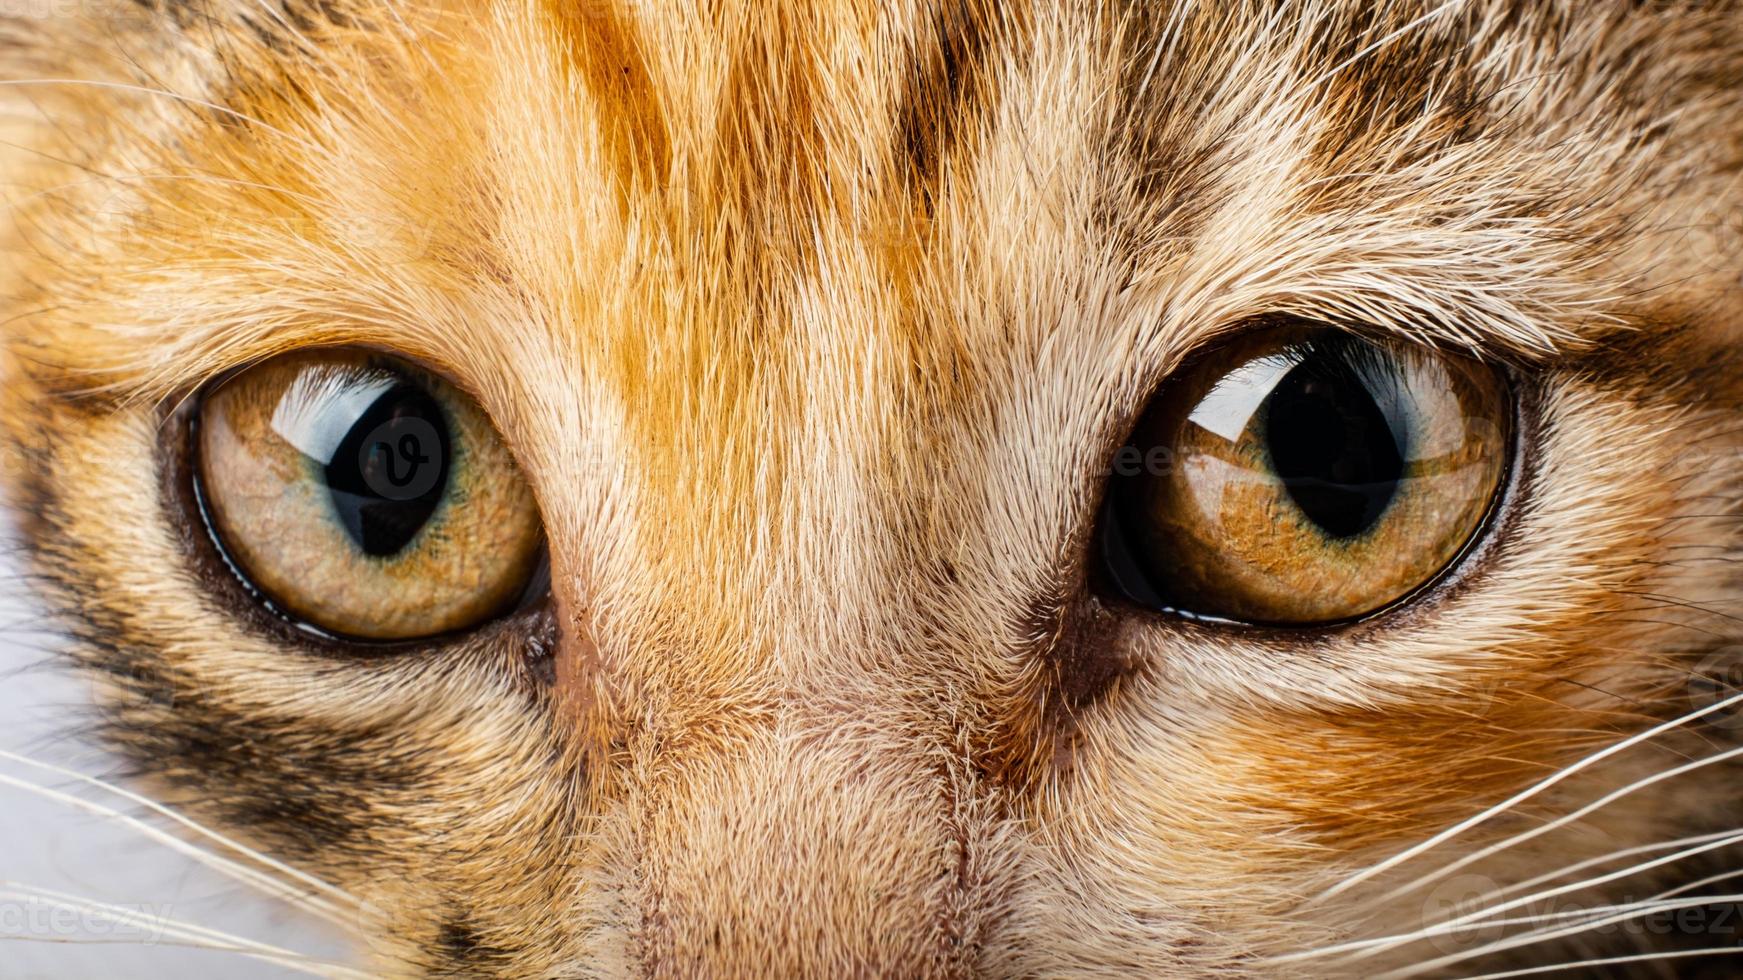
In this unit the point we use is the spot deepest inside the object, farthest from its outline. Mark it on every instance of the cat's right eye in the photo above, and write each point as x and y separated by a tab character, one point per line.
364	496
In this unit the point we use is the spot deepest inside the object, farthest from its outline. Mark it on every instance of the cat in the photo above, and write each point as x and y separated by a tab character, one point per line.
587	489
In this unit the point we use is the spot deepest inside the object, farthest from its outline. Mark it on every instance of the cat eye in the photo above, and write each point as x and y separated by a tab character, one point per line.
363	496
1304	475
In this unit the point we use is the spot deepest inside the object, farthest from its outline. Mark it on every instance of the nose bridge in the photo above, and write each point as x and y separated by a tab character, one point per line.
741	562
780	802
772	798
815	847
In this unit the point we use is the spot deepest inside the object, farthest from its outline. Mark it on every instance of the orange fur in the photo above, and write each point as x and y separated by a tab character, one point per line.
809	325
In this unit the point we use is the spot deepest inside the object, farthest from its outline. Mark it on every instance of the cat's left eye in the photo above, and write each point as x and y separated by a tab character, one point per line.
1304	475
364	496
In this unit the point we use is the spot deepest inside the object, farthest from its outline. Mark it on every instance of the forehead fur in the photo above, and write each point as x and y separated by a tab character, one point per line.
694	226
811	326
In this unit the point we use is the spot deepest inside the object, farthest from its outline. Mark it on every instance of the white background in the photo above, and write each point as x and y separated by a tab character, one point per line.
50	845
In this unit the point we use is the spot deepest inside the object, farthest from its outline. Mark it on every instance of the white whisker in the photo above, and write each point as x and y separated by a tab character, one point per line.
1612	856
1558	776
1561	821
284	869
1484	917
1601	917
1691	886
1648	906
89	941
1609	961
231	869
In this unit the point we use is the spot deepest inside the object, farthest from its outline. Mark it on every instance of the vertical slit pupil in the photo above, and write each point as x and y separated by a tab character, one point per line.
1333	446
390	472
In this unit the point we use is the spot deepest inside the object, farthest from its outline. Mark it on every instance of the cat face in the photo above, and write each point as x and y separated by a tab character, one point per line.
783	358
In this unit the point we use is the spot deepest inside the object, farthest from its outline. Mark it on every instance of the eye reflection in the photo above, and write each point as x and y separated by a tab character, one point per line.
1315	477
382	445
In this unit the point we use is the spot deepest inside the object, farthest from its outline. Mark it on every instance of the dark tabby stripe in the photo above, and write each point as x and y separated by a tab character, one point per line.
606	52
952	87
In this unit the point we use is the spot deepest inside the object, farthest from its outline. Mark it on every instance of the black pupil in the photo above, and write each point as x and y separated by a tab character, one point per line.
391	470
1333	446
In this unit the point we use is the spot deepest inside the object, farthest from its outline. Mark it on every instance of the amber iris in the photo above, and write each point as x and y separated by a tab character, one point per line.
1304	475
365	497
